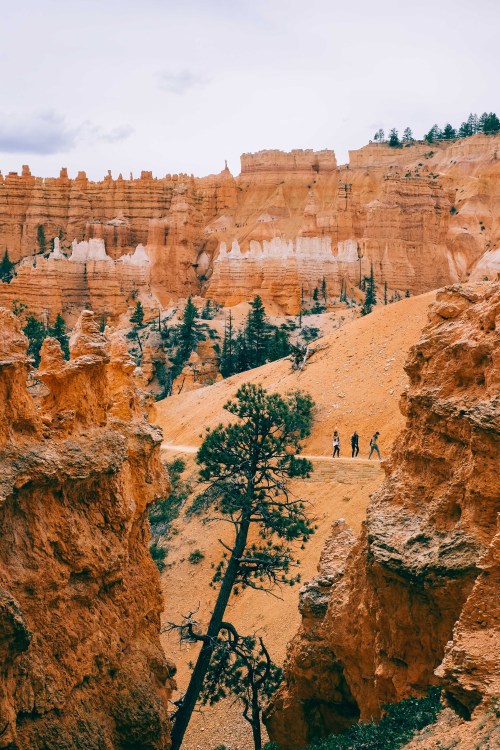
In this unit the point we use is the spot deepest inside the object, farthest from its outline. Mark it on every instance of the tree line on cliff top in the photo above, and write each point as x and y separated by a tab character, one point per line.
487	123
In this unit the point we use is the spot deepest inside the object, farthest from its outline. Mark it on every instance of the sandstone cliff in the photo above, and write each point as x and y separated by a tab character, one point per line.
425	216
414	601
80	658
86	278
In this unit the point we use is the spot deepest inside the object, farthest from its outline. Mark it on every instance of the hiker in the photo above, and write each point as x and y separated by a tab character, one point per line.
355	444
374	446
336	444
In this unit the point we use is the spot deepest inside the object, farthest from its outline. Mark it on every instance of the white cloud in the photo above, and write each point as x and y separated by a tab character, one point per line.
47	132
180	81
40	133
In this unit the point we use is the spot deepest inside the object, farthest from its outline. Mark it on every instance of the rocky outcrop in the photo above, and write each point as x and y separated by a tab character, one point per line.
416	602
424	216
87	277
81	665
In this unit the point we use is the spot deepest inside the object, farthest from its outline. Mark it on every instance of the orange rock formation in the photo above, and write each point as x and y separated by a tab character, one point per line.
80	605
414	601
423	215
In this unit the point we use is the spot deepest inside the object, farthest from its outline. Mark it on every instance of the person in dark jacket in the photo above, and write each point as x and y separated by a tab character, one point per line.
355	444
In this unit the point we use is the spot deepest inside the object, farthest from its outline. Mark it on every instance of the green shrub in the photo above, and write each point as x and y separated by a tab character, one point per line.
158	554
196	557
398	725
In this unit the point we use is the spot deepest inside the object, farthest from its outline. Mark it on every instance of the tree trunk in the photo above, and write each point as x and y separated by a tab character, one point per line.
186	709
256	730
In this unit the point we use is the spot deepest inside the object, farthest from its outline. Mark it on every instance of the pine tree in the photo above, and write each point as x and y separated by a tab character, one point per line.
316	294
206	313
324	289
35	332
379	136
385	292
40	236
6	268
246	466
370	296
227	362
278	344
242	669
464	130
449	132
257	333
408	136
491	124
58	331
473	123
188	331
433	135
394	141
137	317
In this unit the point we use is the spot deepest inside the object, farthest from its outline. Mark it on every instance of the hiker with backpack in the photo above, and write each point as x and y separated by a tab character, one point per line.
374	446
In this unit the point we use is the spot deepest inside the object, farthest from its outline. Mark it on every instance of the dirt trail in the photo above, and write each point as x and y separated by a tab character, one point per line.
356	382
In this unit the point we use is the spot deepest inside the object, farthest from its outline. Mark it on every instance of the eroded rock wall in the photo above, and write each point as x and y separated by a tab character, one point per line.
81	666
416	601
424	216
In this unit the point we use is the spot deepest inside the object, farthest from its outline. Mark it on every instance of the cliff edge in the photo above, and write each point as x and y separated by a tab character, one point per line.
413	602
80	658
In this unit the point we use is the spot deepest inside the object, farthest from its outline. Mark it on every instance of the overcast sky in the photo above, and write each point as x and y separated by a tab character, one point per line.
181	85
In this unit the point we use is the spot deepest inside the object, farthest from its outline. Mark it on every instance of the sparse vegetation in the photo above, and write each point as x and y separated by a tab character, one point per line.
40	237
242	668
58	331
163	512
397	726
7	267
370	294
487	123
137	317
255	344
196	556
248	487
36	332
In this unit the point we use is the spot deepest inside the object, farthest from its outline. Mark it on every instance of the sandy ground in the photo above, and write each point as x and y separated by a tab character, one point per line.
356	381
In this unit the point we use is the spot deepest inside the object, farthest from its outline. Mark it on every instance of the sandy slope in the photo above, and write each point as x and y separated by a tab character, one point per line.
356	381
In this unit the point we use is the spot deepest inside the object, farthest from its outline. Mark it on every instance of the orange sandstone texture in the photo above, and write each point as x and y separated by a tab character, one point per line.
425	216
415	601
81	662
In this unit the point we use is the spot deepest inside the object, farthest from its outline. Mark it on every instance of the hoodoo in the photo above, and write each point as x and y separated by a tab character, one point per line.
81	662
421	217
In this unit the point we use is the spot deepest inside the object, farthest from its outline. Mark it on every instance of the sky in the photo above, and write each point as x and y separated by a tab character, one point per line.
182	85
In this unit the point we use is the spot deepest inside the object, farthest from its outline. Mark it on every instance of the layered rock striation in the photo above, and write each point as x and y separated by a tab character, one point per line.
81	664
85	278
423	216
414	601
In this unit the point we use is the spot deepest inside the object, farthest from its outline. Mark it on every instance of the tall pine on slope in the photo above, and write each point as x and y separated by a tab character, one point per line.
370	295
257	333
58	331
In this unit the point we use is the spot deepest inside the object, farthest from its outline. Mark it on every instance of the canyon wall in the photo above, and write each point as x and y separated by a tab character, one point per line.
81	663
414	601
85	278
424	216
